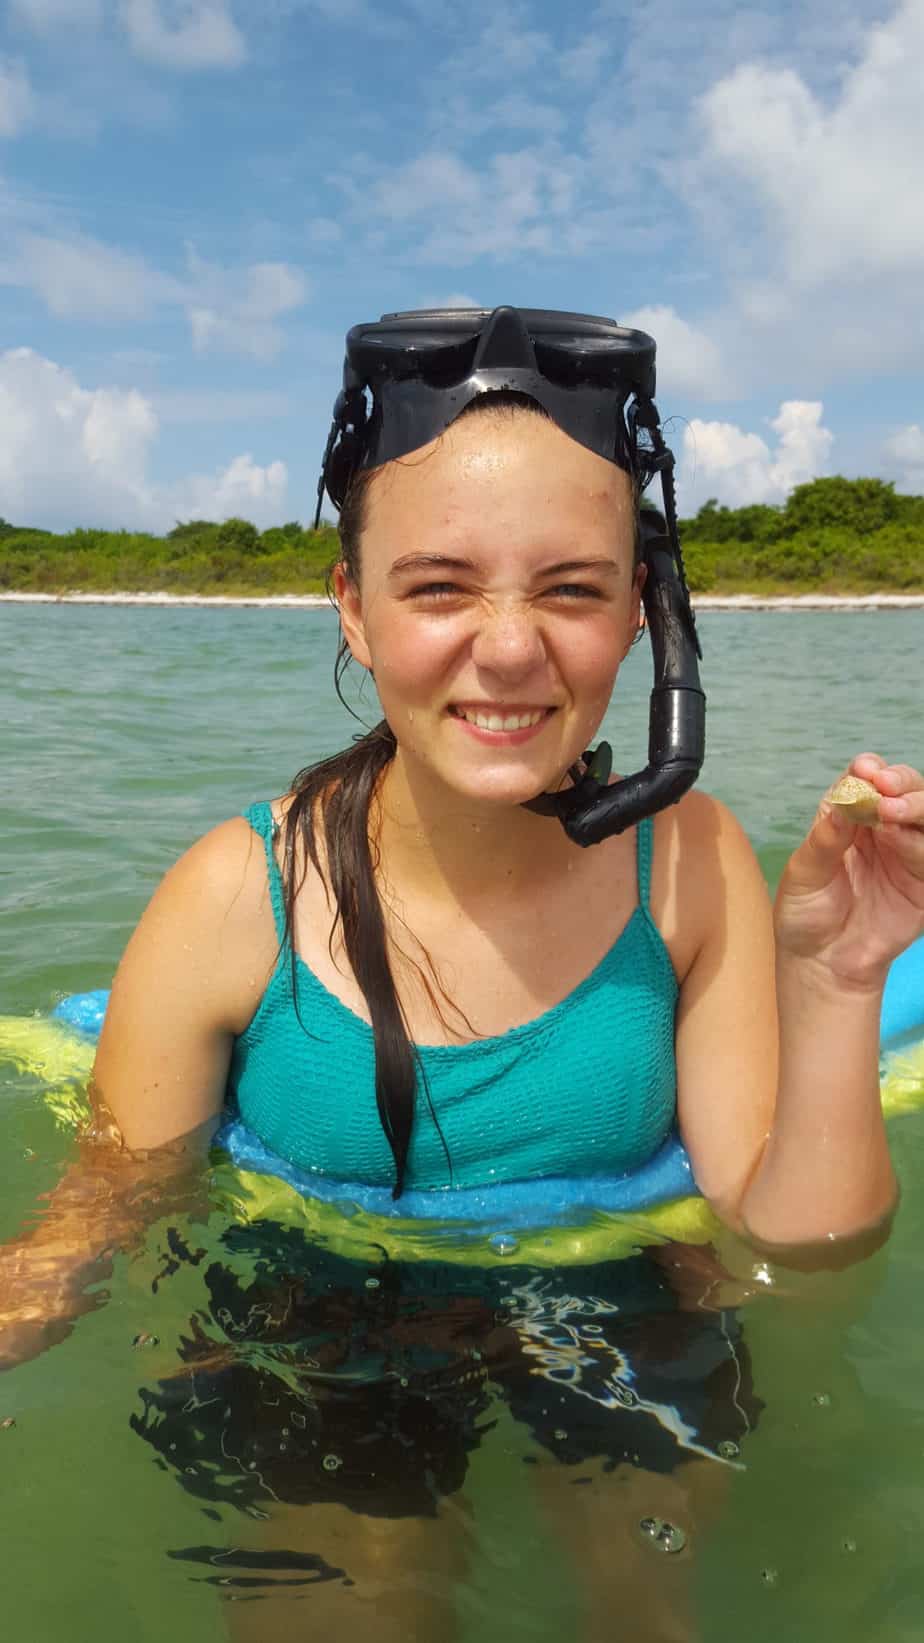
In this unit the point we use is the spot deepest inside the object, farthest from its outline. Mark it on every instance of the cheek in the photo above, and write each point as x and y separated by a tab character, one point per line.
410	657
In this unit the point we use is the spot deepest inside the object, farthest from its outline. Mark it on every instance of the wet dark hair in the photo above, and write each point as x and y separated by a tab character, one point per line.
340	794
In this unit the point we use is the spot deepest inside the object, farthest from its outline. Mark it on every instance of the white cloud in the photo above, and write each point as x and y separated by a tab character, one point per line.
838	185
238	309
83	278
233	310
722	460
689	360
243	488
17	104
183	34
523	202
71	455
904	451
581	64
45	15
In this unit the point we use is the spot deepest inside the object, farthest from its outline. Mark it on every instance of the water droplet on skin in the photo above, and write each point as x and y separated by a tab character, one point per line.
728	1449
667	1537
822	1400
332	1463
503	1243
769	1576
373	1283
762	1273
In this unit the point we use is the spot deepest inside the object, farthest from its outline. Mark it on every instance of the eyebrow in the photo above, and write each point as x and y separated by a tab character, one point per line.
411	562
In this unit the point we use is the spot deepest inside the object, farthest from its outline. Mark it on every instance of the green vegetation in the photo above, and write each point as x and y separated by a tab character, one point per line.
830	536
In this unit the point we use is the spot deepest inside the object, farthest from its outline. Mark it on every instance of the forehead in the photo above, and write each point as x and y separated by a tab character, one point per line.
499	472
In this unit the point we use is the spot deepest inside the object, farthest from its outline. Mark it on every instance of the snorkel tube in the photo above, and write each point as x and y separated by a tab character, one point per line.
408	376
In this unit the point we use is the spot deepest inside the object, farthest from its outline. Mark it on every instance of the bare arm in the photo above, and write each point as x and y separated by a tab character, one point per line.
190	979
778	1086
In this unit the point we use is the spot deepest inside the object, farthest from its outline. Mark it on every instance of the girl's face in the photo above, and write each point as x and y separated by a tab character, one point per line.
496	601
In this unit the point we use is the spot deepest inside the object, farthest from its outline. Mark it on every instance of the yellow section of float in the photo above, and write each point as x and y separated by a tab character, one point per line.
61	1061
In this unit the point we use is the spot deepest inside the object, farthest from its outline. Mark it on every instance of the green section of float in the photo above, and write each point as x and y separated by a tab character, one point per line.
60	1062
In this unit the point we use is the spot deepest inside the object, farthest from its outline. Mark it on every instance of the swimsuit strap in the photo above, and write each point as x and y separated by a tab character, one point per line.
261	819
643	853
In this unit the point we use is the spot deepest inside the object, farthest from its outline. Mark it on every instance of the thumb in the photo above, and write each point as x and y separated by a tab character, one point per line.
817	860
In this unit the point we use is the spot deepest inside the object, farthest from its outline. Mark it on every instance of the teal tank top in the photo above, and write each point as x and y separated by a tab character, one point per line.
587	1088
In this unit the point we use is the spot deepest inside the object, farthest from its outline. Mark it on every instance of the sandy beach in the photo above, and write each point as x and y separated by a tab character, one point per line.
310	601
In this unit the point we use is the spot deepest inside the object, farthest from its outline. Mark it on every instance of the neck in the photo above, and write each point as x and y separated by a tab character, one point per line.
441	843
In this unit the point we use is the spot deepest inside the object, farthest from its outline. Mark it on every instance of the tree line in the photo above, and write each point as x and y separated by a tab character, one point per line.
830	535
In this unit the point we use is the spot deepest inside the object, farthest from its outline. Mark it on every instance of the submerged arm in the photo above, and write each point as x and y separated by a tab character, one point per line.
103	1205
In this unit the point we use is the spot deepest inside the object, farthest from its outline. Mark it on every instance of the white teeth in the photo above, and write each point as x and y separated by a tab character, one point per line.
494	721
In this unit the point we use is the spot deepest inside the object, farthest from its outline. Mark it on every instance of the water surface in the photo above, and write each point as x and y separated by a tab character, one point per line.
124	734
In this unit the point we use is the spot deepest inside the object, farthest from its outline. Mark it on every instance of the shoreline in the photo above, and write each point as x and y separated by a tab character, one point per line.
319	601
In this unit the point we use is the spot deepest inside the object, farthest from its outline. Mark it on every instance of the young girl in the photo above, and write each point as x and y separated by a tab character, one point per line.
404	972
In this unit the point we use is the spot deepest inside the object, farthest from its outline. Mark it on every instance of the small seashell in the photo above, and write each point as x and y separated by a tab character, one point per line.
856	799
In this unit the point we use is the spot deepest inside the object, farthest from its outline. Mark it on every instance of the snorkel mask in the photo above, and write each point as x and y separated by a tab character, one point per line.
407	377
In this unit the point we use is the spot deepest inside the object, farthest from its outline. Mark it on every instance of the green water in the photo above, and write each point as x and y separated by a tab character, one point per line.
124	733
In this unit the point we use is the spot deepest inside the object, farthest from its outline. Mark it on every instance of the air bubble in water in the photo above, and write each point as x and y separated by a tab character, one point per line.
373	1283
503	1243
728	1449
332	1463
848	1545
769	1576
667	1537
560	1434
822	1400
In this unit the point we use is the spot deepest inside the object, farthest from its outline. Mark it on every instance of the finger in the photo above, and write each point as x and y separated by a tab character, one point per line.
907	844
900	778
819	857
867	765
906	808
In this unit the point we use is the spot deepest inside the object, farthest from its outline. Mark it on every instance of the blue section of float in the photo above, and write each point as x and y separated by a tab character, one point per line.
517	1204
903	1005
83	1012
549	1201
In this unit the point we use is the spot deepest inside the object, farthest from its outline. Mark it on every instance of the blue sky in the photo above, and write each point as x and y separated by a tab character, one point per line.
198	197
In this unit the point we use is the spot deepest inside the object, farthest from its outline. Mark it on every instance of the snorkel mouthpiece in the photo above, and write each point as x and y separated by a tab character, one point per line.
596	380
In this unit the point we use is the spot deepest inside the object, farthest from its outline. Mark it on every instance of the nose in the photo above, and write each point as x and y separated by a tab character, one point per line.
509	642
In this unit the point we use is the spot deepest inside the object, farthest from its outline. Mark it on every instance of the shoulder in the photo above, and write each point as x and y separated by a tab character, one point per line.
704	871
211	914
225	866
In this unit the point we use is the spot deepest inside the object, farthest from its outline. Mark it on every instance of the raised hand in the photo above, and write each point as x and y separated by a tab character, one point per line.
852	897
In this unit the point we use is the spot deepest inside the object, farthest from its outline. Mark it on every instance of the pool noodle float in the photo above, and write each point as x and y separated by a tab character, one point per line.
548	1221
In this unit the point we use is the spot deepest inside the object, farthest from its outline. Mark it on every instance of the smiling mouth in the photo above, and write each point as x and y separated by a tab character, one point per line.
484	719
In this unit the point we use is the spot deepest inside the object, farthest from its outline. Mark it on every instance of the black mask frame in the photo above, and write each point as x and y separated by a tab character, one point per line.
408	376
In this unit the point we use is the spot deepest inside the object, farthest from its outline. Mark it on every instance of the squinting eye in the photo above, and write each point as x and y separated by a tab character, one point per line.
435	590
579	590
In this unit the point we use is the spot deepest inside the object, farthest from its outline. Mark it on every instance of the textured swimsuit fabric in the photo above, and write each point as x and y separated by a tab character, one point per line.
588	1087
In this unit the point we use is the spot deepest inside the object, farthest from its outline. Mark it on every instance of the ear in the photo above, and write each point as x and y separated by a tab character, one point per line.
636	620
349	604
